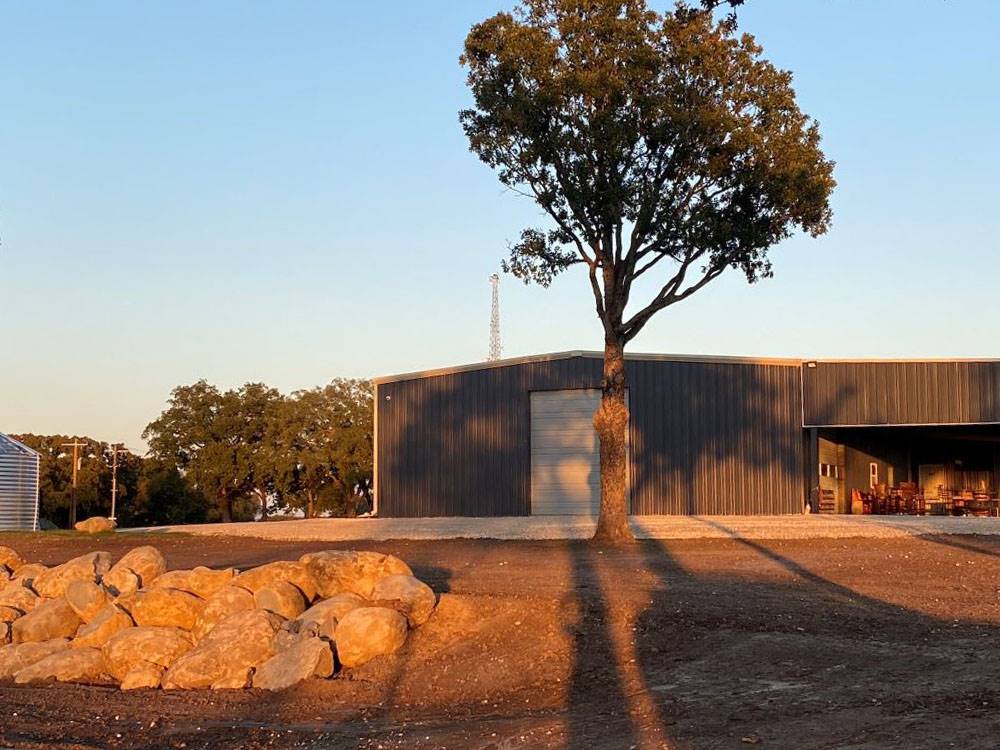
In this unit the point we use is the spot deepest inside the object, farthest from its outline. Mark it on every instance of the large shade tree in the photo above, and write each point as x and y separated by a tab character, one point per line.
662	147
216	440
320	446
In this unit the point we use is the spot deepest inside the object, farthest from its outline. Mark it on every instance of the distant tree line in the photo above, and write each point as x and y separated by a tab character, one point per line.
216	455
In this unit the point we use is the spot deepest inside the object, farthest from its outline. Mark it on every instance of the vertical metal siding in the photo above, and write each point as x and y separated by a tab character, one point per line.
706	437
18	486
901	393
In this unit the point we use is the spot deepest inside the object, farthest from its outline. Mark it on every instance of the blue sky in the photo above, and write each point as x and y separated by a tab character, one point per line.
281	192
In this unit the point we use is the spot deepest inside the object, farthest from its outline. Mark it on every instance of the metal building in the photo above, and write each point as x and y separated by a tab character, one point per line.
708	435
18	486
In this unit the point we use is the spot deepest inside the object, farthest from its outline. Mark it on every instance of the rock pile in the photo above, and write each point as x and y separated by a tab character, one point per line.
139	625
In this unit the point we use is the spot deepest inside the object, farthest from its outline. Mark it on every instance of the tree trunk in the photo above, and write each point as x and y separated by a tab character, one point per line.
227	509
611	423
309	505
262	496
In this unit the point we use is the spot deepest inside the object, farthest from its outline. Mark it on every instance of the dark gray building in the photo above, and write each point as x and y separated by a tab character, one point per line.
708	435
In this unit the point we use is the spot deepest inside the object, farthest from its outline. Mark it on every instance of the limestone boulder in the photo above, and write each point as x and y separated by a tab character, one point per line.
122	584
290	633
282	598
226	654
67	665
16	596
409	595
9	614
200	581
4	575
102	627
17	656
168	608
27	574
95	525
10	559
307	657
86	598
138	568
267	575
134	647
338	571
322	617
143	676
54	581
51	619
367	632
234	679
227	601
4	633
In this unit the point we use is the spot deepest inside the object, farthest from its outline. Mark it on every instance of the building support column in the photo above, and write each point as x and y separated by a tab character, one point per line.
812	470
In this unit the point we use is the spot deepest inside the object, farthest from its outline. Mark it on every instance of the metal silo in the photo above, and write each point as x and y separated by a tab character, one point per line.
18	485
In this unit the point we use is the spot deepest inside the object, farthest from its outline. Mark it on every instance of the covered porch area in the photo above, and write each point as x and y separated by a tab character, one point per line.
951	470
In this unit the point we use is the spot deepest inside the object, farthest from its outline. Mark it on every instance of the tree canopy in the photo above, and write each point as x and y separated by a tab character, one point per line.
251	450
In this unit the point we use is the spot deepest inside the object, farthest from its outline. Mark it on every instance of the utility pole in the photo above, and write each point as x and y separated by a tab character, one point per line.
76	445
116	448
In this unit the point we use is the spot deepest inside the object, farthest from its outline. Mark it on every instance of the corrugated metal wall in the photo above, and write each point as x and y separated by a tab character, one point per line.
706	437
18	486
901	393
716	438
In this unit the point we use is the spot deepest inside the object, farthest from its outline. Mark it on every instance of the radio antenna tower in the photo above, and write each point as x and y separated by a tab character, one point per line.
495	347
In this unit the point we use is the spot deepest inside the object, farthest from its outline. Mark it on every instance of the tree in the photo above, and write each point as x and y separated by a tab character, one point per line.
93	492
163	497
321	445
215	439
662	147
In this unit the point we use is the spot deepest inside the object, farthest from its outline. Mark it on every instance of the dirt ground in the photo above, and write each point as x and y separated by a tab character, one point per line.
824	643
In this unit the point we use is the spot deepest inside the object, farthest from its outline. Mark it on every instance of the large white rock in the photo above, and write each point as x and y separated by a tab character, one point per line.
225	602
95	525
168	608
225	655
367	632
17	656
143	676
10	559
51	619
54	581
322	617
86	598
18	597
67	665
282	598
411	596
133	647
138	568
99	630
307	657
26	574
200	581
283	570
339	571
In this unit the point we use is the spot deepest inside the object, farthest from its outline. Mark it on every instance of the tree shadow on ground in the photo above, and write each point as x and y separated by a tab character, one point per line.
805	662
779	657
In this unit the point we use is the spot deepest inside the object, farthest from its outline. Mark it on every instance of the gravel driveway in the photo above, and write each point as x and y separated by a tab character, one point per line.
577	527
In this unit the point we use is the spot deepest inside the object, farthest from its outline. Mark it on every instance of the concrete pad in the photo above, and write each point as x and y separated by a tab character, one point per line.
581	527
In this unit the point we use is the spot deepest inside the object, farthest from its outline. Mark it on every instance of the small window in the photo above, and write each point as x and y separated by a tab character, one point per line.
829	470
873	475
